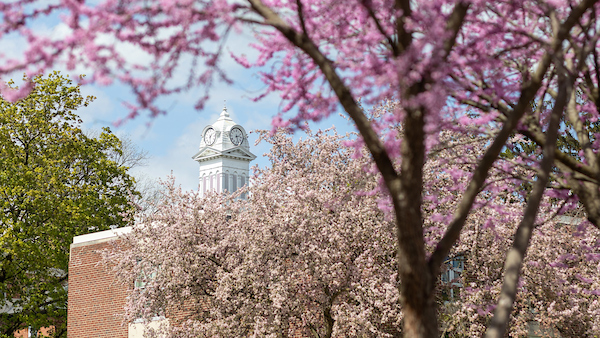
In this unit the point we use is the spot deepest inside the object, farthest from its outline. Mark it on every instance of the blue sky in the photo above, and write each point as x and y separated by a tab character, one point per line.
171	140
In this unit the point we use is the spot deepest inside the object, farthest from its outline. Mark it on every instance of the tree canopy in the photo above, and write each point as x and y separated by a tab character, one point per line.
55	183
509	69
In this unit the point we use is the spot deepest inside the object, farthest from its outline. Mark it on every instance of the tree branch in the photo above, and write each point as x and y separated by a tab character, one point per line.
516	255
528	92
404	36
375	146
454	24
301	16
390	41
537	136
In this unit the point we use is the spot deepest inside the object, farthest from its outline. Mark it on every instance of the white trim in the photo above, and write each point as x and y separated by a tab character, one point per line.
101	235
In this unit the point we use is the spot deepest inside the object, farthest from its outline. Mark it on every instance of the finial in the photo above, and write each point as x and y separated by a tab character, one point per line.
224	112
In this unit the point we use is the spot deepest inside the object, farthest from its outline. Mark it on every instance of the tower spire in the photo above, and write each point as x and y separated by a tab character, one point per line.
225	112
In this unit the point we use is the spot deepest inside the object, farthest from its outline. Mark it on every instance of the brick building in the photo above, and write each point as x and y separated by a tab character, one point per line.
96	299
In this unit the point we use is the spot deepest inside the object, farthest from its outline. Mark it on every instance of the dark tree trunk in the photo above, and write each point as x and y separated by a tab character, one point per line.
417	286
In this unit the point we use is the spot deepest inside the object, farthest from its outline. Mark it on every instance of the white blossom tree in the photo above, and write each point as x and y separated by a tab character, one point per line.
312	251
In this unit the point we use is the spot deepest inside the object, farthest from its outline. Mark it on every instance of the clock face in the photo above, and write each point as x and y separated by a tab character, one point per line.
236	136
210	136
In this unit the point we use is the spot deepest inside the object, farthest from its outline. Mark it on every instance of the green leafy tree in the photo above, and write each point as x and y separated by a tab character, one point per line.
55	183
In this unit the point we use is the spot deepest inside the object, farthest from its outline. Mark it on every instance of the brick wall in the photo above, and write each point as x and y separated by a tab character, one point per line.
96	300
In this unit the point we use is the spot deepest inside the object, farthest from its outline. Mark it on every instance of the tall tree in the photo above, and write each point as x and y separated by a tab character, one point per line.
55	183
515	66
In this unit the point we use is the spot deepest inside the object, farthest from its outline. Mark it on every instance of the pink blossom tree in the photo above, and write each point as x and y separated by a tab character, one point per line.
503	68
558	290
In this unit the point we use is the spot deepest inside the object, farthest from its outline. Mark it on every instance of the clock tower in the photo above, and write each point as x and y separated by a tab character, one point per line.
224	156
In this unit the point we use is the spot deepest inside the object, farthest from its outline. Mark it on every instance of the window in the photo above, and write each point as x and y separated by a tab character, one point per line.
452	270
451	278
225	182
458	262
242	183
144	277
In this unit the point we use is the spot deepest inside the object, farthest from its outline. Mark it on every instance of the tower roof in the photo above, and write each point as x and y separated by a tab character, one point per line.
224	123
222	144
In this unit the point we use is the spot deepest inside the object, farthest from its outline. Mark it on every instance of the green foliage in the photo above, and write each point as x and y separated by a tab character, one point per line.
55	183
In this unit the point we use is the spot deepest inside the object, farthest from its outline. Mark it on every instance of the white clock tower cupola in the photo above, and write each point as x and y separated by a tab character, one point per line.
224	156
